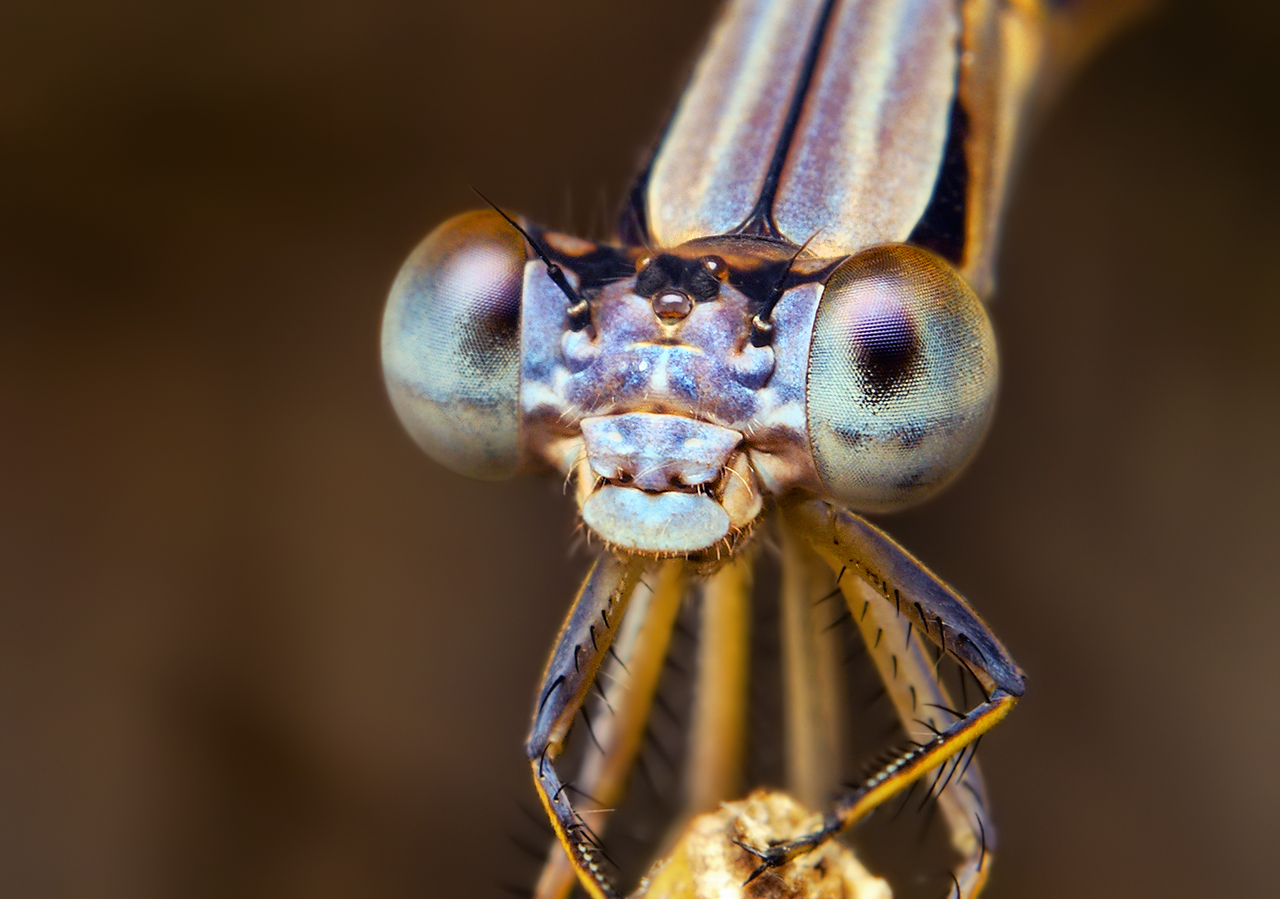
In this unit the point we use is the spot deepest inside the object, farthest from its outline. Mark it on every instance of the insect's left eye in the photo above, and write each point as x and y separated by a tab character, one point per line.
902	378
451	344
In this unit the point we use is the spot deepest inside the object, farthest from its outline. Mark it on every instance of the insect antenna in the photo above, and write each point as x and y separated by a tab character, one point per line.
578	310
761	326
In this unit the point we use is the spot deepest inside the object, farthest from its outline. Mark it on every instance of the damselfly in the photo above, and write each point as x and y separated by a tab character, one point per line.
788	328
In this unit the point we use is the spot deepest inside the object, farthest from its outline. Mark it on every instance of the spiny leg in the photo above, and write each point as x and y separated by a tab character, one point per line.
924	705
584	640
852	546
639	652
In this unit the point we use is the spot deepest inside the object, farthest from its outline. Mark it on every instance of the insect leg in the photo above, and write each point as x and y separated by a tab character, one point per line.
717	741
639	652
924	706
581	646
812	674
852	546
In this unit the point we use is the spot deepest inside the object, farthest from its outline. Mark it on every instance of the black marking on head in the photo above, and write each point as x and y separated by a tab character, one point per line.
942	226
595	267
703	285
761	326
666	271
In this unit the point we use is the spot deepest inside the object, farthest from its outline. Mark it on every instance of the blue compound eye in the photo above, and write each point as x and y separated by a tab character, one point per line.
902	378
451	344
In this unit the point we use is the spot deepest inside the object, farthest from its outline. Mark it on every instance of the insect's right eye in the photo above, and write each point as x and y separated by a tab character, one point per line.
902	378
451	344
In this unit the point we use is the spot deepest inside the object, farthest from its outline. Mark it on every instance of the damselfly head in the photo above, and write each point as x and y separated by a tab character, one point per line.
642	374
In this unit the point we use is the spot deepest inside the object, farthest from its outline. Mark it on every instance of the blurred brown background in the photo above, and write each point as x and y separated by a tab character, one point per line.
252	643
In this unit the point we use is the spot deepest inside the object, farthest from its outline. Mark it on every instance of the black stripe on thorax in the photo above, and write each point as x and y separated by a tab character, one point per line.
759	221
942	226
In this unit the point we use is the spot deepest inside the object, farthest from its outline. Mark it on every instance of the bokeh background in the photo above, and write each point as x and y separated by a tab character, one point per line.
252	643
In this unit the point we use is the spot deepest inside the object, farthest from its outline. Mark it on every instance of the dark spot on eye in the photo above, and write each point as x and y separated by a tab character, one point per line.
489	332
885	350
489	344
851	439
910	482
910	436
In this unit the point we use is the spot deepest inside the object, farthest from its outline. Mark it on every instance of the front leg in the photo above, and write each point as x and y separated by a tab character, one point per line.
583	642
914	599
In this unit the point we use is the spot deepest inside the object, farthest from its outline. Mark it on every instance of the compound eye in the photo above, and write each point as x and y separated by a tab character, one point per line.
902	378
451	344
